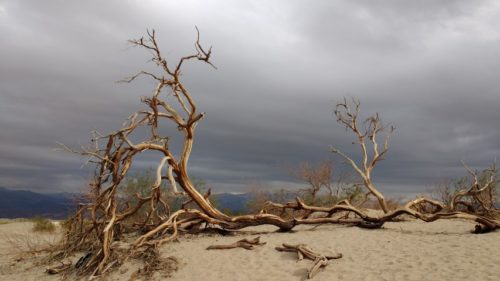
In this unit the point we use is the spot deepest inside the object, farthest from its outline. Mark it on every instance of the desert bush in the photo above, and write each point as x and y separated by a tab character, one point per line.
321	199
351	192
41	224
261	194
29	242
345	191
258	201
66	223
140	184
318	178
446	191
392	204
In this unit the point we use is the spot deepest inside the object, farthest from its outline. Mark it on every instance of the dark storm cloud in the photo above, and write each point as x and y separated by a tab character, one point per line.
430	67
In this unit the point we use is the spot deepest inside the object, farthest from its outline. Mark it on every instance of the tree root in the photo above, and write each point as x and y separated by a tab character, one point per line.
248	244
303	251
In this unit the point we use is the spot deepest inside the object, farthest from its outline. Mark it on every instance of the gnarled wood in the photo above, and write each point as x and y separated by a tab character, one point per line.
100	222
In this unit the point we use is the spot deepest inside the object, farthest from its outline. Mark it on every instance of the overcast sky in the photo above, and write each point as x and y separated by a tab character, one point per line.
431	68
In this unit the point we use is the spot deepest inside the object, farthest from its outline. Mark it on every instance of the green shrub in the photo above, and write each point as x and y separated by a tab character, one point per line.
41	224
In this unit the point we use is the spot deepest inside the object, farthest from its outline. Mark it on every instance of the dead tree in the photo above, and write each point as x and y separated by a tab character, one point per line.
482	195
98	225
317	177
366	137
114	153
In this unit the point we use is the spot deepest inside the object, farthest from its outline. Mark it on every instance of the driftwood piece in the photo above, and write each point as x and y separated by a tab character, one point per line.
319	260
248	244
58	269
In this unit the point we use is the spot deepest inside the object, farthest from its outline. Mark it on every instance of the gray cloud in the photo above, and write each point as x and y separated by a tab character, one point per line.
429	67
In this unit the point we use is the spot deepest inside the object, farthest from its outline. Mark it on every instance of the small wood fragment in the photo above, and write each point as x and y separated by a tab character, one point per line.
319	262
303	251
248	244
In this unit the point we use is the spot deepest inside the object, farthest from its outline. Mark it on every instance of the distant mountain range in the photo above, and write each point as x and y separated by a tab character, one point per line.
27	204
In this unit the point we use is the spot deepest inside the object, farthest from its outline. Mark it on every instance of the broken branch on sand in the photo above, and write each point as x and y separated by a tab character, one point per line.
248	244
303	251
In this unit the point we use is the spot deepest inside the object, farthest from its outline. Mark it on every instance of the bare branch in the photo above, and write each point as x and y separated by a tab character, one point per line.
347	115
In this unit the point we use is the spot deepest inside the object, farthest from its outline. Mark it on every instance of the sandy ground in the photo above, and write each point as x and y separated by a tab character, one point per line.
413	250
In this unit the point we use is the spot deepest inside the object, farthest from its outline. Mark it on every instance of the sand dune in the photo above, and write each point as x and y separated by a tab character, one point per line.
412	250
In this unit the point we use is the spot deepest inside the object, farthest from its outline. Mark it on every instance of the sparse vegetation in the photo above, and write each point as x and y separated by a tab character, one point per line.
139	185
261	197
452	192
29	242
41	224
318	178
